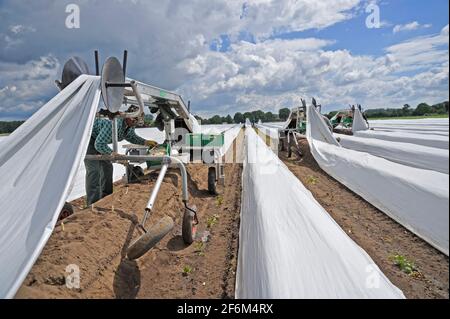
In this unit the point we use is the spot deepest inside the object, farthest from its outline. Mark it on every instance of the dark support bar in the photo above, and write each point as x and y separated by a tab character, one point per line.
125	58
97	67
117	85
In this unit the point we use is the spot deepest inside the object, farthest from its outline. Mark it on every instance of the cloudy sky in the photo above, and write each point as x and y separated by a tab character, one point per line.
231	55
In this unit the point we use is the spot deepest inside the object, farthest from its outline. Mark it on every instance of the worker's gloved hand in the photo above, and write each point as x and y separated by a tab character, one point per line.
150	143
123	162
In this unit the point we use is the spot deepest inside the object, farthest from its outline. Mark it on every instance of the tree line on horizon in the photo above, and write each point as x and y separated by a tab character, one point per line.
423	109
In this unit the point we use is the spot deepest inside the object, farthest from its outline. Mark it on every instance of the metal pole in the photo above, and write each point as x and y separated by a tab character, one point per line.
155	191
121	157
138	98
115	137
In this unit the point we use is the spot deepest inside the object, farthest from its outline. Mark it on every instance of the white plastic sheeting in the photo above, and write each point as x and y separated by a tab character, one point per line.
268	130
37	166
435	126
429	130
359	123
277	125
417	199
419	156
2	139
273	133
216	128
423	121
437	141
413	128
230	135
283	125
426	132
289	247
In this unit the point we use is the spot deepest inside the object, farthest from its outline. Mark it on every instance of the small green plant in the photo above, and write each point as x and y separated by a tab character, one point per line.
187	270
312	180
199	248
212	220
219	200
404	264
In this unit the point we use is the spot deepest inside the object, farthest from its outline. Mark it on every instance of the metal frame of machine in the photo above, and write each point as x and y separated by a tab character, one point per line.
345	117
296	120
296	127
172	113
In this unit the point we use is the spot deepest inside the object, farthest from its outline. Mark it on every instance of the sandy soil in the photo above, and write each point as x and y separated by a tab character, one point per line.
380	236
96	240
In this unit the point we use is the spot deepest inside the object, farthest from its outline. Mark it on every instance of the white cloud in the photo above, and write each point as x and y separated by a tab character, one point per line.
276	73
161	39
265	17
421	52
410	27
23	87
169	44
18	28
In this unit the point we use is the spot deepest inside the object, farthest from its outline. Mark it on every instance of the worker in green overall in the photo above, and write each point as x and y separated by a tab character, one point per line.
99	174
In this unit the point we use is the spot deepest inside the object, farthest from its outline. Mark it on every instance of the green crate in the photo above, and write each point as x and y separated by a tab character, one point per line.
211	140
194	140
301	126
348	121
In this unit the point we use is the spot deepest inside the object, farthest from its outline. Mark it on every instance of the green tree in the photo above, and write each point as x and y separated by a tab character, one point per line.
9	127
216	119
238	118
258	115
249	115
229	119
284	114
270	117
440	108
406	110
423	109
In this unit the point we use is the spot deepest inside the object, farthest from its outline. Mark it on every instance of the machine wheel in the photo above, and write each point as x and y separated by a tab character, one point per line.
212	183
189	228
150	238
66	211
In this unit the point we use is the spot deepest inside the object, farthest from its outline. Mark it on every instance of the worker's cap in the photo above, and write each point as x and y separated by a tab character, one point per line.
133	108
139	120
